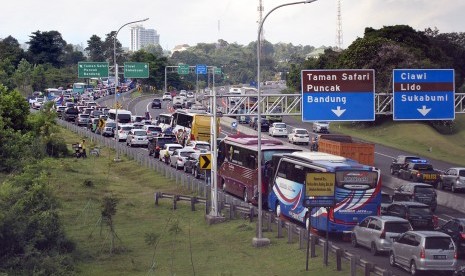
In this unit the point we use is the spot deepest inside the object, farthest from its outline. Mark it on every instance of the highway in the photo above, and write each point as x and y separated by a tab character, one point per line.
383	158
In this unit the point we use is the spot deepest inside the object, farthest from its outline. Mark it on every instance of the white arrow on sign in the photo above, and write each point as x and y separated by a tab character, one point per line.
424	110
338	111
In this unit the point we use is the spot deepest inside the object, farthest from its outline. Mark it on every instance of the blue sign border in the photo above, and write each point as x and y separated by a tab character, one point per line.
437	110
355	111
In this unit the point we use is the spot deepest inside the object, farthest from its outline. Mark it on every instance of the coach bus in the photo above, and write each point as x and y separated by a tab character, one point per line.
124	116
357	190
196	124
238	168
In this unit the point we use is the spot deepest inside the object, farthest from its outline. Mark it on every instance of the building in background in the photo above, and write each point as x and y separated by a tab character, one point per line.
141	37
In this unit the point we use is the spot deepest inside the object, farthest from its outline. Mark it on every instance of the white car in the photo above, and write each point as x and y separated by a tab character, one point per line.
321	127
190	94
299	135
168	148
153	130
123	130
137	137
199	145
278	129
179	157
167	96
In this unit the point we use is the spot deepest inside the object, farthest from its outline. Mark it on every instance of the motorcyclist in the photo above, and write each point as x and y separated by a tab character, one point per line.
314	144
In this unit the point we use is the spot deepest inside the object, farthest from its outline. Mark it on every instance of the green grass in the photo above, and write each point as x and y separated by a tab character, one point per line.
415	137
222	249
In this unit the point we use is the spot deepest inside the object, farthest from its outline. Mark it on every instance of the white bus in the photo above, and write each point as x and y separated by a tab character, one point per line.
164	121
124	116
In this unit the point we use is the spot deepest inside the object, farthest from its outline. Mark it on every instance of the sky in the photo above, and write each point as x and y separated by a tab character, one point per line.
205	21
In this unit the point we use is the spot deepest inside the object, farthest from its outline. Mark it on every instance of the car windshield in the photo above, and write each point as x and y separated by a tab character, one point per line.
424	190
153	129
140	133
84	115
185	153
420	211
280	125
126	128
462	172
202	146
444	243
397	227
301	131
385	198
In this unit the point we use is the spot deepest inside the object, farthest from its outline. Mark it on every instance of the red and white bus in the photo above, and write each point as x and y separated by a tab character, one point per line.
238	168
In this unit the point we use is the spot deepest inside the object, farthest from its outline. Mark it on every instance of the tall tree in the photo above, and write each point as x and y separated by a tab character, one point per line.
11	49
71	56
110	47
46	47
95	48
22	77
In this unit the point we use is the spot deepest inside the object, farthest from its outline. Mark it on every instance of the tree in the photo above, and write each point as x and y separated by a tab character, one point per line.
46	47
71	56
7	70
95	49
157	66
22	77
39	79
11	49
109	50
156	50
14	109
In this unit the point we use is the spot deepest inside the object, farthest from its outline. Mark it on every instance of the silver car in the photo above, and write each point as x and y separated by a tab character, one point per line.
453	179
424	251
379	232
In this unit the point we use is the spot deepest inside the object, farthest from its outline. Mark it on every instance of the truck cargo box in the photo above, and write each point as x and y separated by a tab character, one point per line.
343	145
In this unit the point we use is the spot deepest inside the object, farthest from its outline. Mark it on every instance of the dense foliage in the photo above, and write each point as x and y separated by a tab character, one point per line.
32	241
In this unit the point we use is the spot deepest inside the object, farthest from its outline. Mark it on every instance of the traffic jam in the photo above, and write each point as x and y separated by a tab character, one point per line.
405	225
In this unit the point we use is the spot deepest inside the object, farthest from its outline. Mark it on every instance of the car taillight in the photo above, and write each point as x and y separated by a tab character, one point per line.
192	137
422	253
383	234
435	221
179	159
418	174
157	148
462	235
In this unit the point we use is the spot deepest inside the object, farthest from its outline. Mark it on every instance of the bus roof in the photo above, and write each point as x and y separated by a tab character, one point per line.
251	142
120	111
325	159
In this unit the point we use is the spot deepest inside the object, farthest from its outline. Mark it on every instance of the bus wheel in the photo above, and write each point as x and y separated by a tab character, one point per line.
277	210
307	221
246	196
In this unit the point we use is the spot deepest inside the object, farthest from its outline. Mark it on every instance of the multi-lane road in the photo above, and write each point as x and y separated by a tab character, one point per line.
383	158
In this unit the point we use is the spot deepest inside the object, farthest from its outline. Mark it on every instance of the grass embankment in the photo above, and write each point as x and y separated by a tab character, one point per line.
169	241
415	137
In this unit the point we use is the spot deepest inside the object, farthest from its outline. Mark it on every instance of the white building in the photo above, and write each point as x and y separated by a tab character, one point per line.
141	37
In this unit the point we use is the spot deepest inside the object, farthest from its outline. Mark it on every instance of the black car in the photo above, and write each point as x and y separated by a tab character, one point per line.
418	214
400	162
455	228
70	114
157	143
156	103
418	192
265	124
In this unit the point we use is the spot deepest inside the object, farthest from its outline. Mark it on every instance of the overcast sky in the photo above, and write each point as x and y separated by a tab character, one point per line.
194	21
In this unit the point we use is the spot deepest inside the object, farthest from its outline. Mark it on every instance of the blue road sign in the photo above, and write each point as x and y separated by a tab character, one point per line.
423	94
201	69
234	124
338	95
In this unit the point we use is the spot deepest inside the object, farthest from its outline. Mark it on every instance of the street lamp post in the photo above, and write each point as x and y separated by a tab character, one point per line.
259	240
116	80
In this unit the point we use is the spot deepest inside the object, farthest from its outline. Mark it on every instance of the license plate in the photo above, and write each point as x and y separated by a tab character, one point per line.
429	177
440	257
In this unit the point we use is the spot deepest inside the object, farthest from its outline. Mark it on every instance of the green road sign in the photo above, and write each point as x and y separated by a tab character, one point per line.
217	71
92	70
183	69
136	70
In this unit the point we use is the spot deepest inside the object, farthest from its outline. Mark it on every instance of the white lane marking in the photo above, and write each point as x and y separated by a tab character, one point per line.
450	217
442	219
385	155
